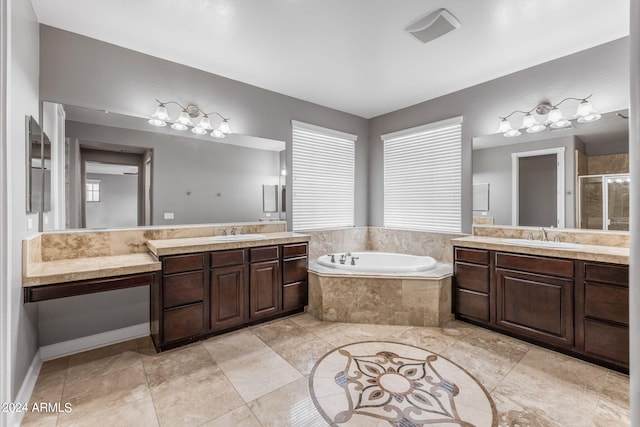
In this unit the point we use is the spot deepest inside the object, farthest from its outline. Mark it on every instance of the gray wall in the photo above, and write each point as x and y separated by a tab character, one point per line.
118	206
493	165
602	71
80	71
23	100
205	168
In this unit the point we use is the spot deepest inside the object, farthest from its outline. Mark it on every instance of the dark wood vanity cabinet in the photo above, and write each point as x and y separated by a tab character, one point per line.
534	297
264	273
203	294
179	299
602	311
228	289
578	307
472	284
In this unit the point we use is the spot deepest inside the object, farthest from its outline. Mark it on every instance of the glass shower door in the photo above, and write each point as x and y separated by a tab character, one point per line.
618	202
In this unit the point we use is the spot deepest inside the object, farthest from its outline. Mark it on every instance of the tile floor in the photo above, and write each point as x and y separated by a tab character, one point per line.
259	377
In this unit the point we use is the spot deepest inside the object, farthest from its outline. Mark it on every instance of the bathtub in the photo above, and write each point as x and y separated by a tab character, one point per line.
379	262
381	288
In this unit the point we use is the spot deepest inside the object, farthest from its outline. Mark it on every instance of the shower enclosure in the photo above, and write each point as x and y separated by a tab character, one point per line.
603	202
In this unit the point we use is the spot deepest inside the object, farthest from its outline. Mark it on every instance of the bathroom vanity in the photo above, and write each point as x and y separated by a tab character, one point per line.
202	282
207	288
571	300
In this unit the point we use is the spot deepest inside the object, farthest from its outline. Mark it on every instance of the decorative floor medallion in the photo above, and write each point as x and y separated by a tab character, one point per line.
380	383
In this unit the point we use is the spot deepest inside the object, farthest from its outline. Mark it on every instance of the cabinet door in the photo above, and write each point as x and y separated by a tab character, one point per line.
265	286
228	296
535	305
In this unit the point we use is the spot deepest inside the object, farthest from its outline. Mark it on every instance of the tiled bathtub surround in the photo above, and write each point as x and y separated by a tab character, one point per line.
424	300
379	239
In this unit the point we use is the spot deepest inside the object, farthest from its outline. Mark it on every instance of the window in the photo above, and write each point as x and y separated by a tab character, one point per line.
323	167
93	190
422	177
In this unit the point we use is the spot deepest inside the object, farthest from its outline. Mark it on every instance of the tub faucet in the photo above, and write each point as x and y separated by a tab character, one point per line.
333	258
543	234
343	258
353	260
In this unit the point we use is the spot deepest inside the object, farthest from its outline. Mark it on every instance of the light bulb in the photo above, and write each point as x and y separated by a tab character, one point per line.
504	126
589	118
283	172
512	132
585	109
184	118
161	113
224	127
218	134
179	126
198	130
158	122
555	115
538	127
562	123
528	121
205	123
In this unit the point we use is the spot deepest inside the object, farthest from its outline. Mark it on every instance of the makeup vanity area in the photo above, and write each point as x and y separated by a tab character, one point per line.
202	282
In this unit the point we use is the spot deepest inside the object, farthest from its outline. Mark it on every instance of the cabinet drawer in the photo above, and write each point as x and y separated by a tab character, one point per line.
472	276
294	295
472	304
535	264
225	258
182	263
606	340
294	270
477	256
266	253
607	302
182	289
297	249
607	273
183	322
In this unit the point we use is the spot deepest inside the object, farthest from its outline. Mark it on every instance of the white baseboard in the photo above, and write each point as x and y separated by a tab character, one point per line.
24	394
65	348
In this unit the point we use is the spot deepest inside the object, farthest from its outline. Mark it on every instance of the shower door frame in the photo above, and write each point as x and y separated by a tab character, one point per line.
605	198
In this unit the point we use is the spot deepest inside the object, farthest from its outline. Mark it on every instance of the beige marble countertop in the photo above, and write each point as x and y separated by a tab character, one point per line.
612	254
68	270
204	244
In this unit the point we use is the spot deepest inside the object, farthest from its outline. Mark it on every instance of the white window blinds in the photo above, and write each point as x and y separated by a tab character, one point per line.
422	177
323	166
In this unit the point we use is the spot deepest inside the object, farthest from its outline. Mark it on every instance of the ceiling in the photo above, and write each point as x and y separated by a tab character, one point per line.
350	55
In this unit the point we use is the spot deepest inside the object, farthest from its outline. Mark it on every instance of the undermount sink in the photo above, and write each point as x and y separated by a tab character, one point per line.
542	244
236	237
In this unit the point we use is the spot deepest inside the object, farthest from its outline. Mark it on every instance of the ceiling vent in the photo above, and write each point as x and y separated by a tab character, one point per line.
433	25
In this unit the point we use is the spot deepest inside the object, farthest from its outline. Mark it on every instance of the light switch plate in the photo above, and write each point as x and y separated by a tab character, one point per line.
168	215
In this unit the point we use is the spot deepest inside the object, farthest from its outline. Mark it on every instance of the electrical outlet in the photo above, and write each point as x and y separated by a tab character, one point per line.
29	223
168	215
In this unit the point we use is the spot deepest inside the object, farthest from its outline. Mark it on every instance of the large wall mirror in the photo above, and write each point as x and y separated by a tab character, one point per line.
122	172
577	177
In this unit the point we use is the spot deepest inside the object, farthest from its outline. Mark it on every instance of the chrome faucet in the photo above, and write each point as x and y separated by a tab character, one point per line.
333	258
543	234
353	260
234	231
343	258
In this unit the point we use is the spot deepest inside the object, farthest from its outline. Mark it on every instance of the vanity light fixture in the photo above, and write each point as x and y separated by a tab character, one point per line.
585	113
187	118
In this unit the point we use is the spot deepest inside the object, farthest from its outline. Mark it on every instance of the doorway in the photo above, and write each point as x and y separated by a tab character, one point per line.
538	188
113	189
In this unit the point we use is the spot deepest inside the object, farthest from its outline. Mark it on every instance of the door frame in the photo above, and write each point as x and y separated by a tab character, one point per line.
515	181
